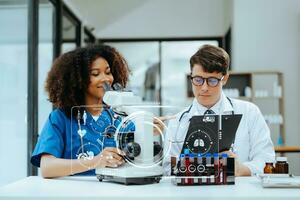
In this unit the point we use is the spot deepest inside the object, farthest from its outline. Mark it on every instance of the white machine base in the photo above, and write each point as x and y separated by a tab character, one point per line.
128	174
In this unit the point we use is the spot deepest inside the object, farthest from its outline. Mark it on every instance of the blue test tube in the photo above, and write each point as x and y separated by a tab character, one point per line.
208	167
217	168
182	168
200	167
224	167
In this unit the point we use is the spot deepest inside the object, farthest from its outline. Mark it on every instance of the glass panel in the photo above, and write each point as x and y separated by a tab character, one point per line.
46	11
67	47
69	29
143	61
139	133
174	70
13	90
68	34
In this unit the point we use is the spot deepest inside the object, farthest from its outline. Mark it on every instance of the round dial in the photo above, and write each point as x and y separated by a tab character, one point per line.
199	142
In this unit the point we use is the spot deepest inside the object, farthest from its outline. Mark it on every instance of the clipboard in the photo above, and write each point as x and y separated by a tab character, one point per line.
203	135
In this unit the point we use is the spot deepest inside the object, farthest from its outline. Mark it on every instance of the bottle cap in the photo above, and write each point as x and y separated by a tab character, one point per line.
199	155
186	151
216	155
208	155
281	159
224	155
269	160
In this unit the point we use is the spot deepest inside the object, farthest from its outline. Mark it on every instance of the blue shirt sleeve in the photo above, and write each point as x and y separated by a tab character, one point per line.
51	139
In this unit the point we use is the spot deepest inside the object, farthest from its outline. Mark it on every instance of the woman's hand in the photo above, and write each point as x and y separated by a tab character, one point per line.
57	167
109	157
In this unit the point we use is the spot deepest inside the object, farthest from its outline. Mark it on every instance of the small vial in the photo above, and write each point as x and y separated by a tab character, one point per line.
182	169
217	168
281	166
200	168
173	165
224	167
269	168
196	164
187	165
191	168
203	169
209	167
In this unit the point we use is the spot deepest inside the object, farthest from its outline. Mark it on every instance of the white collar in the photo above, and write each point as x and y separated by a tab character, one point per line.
223	106
202	109
227	104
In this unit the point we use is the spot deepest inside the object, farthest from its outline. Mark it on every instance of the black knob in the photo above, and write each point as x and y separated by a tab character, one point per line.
157	149
133	149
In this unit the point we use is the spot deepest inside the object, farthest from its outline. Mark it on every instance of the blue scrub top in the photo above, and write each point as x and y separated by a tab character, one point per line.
60	137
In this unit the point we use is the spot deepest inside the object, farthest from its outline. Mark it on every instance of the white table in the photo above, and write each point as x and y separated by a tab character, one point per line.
90	188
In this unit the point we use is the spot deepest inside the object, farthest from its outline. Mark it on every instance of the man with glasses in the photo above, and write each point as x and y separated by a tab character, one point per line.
252	145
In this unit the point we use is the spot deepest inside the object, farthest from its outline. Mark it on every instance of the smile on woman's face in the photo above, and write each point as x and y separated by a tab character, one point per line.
99	74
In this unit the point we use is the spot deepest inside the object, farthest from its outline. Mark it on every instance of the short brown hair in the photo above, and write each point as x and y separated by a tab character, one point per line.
212	59
69	77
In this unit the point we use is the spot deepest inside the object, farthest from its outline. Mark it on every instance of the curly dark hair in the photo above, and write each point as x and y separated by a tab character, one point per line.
69	76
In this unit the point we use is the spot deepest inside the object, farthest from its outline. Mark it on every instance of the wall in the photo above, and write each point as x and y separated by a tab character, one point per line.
154	18
266	36
13	90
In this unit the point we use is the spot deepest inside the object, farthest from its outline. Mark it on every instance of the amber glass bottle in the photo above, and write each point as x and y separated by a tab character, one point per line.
269	168
281	166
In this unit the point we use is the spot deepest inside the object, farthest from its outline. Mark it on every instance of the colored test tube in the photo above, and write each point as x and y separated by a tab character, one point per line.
182	168
217	168
208	167
224	167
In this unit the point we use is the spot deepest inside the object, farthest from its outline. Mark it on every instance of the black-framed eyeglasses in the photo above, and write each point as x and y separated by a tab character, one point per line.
211	81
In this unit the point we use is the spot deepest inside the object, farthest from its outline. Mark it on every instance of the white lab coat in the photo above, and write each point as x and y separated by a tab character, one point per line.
252	144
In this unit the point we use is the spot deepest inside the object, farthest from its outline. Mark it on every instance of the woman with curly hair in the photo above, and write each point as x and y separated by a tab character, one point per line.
77	78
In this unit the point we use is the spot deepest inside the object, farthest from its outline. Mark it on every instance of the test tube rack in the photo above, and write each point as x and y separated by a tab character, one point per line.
207	169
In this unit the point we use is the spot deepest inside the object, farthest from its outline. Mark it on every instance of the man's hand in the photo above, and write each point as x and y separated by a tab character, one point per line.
239	168
159	124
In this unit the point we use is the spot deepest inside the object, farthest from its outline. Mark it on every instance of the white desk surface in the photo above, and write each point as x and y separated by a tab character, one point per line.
90	188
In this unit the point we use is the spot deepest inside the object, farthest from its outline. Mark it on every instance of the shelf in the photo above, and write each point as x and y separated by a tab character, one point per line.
267	98
273	124
287	149
244	98
256	98
254	72
261	83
